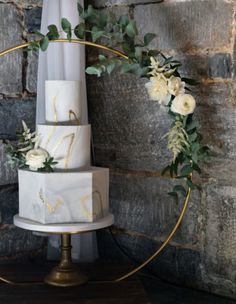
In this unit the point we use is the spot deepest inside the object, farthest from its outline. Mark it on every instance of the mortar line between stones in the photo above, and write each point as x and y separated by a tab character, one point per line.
120	231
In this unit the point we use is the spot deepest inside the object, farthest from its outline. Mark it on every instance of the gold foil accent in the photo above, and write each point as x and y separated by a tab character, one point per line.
54	100
72	115
51	209
83	200
50	136
100	202
67	158
72	138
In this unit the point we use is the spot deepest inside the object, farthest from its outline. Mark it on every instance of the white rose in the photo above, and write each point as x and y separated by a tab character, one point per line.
183	104
35	158
158	89
176	86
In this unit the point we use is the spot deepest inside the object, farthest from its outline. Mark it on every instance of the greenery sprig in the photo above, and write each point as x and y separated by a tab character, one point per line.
165	82
26	153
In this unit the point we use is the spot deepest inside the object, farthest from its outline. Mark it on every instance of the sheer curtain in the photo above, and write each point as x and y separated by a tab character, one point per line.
64	61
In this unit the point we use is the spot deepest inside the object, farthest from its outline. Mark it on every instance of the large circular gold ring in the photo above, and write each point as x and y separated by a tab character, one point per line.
186	201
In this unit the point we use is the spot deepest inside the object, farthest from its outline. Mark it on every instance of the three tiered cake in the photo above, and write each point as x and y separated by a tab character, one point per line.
75	191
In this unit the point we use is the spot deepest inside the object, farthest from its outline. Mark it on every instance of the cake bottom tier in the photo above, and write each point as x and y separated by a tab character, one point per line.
64	197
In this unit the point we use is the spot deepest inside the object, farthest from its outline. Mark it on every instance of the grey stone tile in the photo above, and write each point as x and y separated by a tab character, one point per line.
14	240
220	224
179	27
7	174
10	64
31	73
206	66
33	19
12	112
8	203
142	204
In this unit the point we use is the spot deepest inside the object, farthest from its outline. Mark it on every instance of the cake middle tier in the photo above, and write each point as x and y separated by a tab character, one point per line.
68	145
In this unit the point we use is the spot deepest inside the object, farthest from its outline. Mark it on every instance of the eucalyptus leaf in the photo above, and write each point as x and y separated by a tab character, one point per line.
101	57
123	20
165	170
131	29
110	68
168	60
139	53
53	32
197	168
192	125
118	37
97	35
44	43
79	31
79	7
186	170
180	189
192	137
66	26
126	68
94	71
148	38
39	34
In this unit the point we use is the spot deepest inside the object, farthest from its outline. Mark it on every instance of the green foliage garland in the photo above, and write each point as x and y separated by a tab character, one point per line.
121	33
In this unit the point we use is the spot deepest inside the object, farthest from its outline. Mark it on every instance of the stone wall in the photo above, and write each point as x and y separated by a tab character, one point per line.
17	102
128	131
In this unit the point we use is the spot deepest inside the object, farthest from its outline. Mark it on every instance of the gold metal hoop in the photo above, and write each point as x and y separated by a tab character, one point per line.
77	41
186	201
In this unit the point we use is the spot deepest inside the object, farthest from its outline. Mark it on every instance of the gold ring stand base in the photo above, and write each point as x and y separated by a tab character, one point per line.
66	273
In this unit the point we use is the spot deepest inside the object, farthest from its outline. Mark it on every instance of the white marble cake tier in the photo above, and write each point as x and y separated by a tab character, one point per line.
69	145
64	197
62	101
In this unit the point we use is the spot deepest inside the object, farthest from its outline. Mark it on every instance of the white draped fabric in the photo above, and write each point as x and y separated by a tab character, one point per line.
61	61
64	61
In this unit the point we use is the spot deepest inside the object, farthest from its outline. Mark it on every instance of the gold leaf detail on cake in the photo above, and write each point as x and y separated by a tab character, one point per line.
50	207
72	138
83	200
100	202
50	136
73	115
54	100
68	154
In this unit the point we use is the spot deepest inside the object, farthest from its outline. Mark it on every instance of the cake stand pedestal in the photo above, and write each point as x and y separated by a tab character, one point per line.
65	273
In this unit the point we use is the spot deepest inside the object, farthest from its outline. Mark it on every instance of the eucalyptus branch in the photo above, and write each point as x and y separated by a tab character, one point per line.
165	82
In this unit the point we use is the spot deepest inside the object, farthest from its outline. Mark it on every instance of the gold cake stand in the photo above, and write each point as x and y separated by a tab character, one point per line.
66	273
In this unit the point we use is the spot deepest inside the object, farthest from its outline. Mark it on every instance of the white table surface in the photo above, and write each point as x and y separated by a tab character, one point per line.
63	228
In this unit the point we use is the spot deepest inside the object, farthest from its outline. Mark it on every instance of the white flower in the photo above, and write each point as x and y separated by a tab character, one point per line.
158	89
25	128
183	104
155	67
35	158
176	86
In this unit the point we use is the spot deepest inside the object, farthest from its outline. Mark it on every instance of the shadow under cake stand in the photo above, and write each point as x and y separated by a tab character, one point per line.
65	273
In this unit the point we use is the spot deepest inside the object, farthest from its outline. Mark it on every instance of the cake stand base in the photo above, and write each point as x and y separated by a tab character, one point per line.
66	273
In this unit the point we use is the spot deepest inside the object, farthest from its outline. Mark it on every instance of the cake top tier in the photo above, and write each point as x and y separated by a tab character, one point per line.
62	102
